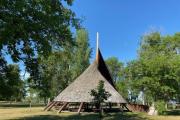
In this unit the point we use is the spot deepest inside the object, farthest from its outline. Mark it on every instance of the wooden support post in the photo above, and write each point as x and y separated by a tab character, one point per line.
49	108
48	105
80	107
129	107
126	107
61	108
57	103
110	106
120	107
87	106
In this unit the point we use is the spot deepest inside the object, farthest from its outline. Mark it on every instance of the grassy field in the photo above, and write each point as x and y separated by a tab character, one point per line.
37	113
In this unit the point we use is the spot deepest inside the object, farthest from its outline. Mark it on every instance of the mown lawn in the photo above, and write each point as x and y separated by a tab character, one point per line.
37	113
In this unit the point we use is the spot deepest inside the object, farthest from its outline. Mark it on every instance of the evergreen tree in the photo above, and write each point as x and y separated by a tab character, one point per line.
99	96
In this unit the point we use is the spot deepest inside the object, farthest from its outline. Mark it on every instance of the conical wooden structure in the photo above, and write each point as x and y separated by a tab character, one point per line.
79	90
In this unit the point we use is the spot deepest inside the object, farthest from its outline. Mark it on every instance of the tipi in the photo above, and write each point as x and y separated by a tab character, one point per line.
79	90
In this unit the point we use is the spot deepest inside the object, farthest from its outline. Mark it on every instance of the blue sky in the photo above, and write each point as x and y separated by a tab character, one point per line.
121	23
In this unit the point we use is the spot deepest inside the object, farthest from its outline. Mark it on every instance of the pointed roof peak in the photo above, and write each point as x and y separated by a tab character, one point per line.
101	63
78	90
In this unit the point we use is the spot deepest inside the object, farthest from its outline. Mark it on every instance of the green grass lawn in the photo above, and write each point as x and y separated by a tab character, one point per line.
37	113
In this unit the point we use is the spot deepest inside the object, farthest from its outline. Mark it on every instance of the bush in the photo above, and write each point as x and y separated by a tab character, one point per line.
99	96
160	107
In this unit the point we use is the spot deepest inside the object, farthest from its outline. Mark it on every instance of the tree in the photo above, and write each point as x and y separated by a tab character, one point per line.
61	67
155	71
115	68
117	71
3	67
13	87
29	28
122	87
99	95
82	52
54	74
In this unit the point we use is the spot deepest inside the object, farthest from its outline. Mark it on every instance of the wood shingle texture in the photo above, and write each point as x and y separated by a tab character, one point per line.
79	90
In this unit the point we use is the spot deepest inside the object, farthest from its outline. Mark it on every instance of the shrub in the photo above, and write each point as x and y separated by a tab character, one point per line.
99	96
160	107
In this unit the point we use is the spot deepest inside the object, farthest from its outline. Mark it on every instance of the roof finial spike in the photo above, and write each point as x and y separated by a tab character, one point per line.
97	40
97	47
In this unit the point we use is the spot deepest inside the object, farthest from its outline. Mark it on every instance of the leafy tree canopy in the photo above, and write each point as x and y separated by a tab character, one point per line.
29	28
115	68
62	66
11	85
156	71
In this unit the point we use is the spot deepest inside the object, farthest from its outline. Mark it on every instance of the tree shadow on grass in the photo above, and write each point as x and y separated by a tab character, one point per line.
173	112
20	105
59	117
125	116
109	116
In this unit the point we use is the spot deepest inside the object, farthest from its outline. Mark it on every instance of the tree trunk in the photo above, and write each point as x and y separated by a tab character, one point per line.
101	111
97	105
110	105
166	105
